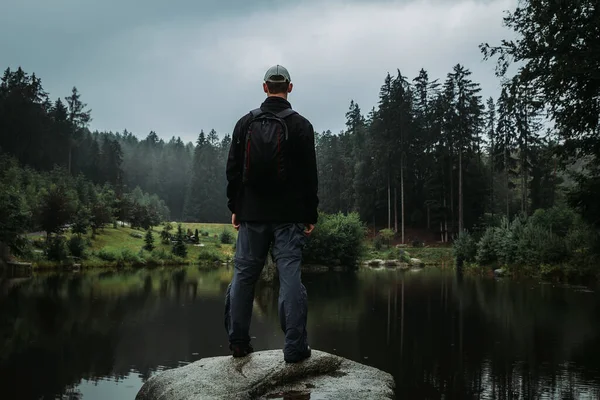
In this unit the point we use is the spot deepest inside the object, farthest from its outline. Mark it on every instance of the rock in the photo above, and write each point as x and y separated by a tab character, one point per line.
314	268
392	263
136	235
264	374
415	262
375	263
499	272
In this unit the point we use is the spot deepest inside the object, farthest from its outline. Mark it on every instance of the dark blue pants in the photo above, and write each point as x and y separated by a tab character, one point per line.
253	243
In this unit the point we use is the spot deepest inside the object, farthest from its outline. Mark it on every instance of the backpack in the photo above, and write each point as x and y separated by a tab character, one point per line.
266	145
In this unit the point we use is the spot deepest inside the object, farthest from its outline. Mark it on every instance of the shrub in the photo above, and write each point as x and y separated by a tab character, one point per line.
106	255
57	249
128	256
387	235
465	247
77	246
204	233
337	240
378	243
161	254
227	236
209	254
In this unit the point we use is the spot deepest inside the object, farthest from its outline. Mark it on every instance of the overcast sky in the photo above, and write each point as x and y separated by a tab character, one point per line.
180	66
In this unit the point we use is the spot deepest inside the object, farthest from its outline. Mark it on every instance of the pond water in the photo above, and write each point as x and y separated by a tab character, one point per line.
100	335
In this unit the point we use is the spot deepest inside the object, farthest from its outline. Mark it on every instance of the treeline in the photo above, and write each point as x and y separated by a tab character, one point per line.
436	155
190	178
55	202
44	134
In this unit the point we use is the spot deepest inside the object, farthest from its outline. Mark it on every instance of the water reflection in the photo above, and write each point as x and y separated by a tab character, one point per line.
100	335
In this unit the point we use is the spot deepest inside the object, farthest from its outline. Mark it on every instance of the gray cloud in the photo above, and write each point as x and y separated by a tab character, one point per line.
178	67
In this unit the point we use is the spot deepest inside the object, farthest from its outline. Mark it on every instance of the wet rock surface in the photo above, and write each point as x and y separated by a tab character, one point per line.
264	375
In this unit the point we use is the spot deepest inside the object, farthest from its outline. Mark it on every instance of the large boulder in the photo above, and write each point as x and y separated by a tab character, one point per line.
264	375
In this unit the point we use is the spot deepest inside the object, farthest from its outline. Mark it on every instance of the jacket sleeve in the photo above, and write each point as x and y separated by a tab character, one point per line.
234	167
312	180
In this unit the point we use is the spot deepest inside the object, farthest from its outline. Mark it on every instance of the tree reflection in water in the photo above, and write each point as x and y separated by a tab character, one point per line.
439	335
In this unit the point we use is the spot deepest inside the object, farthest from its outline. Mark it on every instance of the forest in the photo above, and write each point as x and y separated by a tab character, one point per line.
432	160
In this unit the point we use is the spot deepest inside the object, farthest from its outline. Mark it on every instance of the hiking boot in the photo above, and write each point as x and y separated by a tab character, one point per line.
303	356
241	350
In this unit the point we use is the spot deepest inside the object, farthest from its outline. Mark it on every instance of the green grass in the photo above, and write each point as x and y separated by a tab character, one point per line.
124	250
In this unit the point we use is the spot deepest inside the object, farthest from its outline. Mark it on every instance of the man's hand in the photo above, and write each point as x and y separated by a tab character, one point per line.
235	222
309	229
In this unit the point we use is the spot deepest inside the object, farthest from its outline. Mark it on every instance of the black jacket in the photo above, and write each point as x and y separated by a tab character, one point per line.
296	202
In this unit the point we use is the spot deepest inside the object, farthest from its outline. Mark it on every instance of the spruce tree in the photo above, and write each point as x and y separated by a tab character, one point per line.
179	248
149	240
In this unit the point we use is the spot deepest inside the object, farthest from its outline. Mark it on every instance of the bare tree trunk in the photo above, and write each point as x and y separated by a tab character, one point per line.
395	210
389	204
492	177
402	195
452	215
445	223
428	217
460	194
506	177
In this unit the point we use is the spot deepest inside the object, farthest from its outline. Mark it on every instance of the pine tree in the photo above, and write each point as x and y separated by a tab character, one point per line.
179	248
149	240
78	119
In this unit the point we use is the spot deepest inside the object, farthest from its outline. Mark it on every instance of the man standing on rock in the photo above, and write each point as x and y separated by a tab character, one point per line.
272	194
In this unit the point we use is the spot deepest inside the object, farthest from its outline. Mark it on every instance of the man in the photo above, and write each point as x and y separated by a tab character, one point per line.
272	194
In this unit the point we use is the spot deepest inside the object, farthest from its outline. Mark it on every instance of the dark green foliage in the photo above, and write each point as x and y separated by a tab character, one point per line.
149	240
378	242
549	237
465	247
196	234
226	236
57	208
179	248
82	221
56	248
337	240
15	218
210	255
205	199
165	235
77	246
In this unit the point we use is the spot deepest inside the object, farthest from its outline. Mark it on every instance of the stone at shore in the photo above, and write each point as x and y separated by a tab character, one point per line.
264	375
415	262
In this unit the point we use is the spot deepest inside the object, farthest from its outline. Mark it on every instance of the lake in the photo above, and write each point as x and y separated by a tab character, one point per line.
100	335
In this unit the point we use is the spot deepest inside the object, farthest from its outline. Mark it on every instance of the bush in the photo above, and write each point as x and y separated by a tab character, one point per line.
209	254
161	254
56	249
227	237
106	255
204	233
464	247
386	235
378	243
337	240
128	256
77	246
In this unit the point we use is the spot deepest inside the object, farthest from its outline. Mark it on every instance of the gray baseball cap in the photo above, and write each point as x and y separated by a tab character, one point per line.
277	73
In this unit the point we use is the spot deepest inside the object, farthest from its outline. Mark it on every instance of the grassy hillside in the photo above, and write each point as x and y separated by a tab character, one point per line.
123	246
